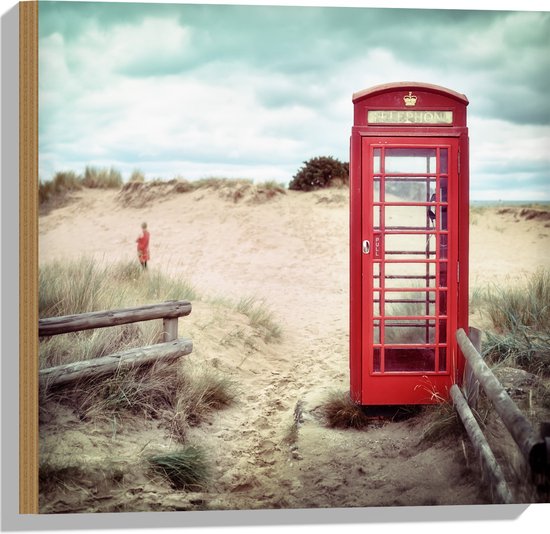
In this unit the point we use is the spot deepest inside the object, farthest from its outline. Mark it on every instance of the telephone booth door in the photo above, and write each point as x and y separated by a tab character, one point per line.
409	262
406	244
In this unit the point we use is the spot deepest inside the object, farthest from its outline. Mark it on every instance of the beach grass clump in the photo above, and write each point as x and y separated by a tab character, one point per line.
260	318
137	176
441	420
523	305
272	185
216	182
521	319
523	348
56	189
339	411
202	391
71	287
100	178
185	469
159	287
53	193
148	392
84	285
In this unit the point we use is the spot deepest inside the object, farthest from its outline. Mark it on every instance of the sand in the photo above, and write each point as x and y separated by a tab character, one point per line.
290	252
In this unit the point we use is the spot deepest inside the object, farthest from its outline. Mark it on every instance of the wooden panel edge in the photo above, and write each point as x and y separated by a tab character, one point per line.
28	257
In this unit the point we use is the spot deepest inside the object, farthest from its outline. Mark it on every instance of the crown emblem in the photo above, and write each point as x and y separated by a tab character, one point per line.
410	99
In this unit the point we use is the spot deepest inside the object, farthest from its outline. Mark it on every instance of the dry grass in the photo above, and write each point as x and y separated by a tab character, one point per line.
54	193
186	469
521	320
260	318
137	193
339	411
74	476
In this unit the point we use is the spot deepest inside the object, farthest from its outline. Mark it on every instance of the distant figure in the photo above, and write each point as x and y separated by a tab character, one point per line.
143	246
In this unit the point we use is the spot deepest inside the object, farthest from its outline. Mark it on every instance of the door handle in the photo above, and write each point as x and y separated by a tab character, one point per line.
366	246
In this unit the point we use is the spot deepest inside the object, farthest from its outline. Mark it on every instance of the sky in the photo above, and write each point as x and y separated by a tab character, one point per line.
254	91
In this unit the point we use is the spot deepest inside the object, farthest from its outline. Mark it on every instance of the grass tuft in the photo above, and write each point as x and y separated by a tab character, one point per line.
339	411
521	319
442	420
186	469
523	305
96	178
260	318
203	391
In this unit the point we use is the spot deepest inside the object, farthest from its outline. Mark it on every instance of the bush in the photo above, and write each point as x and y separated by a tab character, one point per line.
320	172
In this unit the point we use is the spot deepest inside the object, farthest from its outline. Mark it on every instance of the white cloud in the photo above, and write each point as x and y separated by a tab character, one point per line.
143	93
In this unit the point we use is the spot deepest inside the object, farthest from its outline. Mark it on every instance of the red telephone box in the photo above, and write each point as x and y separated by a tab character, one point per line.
409	205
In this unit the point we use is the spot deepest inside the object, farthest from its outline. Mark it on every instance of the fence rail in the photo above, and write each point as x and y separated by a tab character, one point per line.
168	311
534	447
170	349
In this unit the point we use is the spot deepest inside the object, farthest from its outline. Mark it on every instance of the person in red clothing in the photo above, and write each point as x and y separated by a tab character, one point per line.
143	246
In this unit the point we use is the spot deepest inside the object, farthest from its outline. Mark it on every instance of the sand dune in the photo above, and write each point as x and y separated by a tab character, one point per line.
290	251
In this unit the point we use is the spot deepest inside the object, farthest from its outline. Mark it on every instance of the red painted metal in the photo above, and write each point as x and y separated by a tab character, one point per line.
409	205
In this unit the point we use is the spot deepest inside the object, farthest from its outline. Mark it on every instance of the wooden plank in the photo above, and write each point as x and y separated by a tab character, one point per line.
133	358
490	467
28	256
101	319
530	443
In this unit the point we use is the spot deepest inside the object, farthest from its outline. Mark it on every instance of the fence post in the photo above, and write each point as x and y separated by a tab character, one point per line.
170	329
471	383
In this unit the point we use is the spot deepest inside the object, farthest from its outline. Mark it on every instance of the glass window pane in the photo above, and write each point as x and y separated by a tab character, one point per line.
376	360
444	160
376	274
376	304
409	332
376	190
376	217
443	182
405	189
442	331
376	160
443	276
413	160
409	247
376	333
406	359
442	303
410	275
409	303
409	217
442	359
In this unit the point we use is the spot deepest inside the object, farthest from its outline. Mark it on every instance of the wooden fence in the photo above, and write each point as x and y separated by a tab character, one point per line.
534	447
170	349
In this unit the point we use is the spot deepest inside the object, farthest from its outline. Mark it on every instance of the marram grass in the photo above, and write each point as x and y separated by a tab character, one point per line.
186	469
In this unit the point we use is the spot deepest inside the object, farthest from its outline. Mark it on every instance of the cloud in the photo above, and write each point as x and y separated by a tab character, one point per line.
201	89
